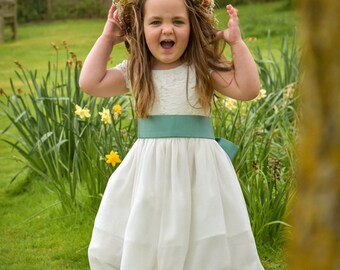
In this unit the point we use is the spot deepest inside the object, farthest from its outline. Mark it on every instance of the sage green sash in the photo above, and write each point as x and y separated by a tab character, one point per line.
182	126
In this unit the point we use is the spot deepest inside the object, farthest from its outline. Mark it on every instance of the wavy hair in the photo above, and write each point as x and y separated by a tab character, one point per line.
204	52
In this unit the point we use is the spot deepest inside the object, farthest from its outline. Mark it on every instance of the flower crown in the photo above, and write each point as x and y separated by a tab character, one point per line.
207	4
124	9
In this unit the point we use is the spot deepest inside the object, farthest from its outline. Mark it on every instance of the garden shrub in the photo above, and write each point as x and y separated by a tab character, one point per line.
34	10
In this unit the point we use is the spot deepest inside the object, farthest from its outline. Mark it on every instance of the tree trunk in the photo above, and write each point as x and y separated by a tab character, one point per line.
315	241
49	9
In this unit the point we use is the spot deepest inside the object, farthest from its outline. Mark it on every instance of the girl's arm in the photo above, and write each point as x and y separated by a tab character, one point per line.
95	79
243	81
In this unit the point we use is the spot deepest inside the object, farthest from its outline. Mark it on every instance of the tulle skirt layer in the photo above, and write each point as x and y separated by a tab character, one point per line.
173	204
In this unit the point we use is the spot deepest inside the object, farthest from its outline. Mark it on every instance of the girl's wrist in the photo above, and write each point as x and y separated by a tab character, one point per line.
107	38
237	43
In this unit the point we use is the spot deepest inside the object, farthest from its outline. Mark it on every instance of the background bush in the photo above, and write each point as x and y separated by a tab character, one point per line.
33	10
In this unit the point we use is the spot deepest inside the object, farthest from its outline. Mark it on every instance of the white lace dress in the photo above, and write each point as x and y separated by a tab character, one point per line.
173	203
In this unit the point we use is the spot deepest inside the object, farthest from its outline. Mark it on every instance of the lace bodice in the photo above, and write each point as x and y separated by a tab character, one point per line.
172	96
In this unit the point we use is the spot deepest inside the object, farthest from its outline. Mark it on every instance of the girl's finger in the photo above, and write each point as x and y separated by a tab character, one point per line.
233	18
111	11
218	34
115	16
231	10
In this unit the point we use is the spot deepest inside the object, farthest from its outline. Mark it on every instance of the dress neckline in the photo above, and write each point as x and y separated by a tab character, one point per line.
171	69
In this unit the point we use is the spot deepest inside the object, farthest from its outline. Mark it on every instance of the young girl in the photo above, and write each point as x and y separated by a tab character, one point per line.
174	202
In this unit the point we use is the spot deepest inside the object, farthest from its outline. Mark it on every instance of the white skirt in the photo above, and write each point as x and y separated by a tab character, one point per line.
173	204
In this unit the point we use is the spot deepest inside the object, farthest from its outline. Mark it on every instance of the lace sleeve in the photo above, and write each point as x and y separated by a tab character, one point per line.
122	67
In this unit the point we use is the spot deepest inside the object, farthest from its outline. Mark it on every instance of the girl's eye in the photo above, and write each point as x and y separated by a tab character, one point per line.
178	22
155	22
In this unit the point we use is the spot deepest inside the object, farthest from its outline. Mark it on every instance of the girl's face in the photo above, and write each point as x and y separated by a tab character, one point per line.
167	30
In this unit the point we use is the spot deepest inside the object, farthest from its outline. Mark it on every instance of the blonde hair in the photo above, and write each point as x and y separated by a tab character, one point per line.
203	52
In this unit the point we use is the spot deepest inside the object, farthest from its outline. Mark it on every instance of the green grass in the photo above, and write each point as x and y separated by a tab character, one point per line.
34	233
257	22
33	47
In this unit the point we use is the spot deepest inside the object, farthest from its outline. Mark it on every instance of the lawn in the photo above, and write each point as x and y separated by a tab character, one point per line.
34	232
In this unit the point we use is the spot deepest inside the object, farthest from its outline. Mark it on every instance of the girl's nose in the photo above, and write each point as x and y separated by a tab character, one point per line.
167	30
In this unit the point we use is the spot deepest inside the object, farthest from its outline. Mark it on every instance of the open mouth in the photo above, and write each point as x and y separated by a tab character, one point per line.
167	44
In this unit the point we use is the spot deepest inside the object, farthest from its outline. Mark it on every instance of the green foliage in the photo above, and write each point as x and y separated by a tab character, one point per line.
55	142
265	129
33	10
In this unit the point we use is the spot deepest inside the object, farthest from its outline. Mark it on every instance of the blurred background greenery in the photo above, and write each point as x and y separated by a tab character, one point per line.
36	10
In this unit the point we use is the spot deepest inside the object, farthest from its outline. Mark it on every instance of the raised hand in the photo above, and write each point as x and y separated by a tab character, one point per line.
232	34
112	29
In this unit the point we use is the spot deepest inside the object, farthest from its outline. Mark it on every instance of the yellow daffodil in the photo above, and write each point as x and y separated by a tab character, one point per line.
82	113
106	117
113	158
230	104
261	95
288	93
117	111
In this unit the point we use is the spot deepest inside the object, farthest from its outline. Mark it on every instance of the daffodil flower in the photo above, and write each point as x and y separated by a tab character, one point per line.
261	95
113	158
106	117
117	111
82	113
230	103
288	93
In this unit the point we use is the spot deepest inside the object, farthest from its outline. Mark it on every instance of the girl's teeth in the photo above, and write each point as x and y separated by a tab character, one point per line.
167	44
